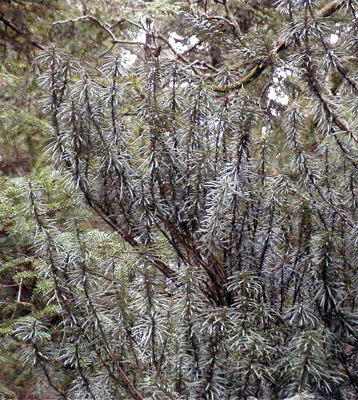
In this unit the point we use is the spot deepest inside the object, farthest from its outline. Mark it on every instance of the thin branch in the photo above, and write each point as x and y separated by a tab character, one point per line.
104	27
178	55
279	46
235	27
20	33
87	17
330	8
250	77
190	49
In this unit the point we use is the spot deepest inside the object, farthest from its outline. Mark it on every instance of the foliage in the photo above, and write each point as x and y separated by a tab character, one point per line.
219	261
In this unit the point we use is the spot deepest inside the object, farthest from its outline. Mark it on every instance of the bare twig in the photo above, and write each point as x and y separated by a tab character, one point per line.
102	26
130	42
87	17
178	55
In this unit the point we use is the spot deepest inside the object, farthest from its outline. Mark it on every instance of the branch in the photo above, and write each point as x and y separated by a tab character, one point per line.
178	55
87	17
131	42
235	27
115	40
154	260
250	77
280	45
329	9
108	30
20	33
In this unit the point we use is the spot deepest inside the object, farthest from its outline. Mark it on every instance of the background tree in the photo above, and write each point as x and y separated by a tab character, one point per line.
25	27
218	152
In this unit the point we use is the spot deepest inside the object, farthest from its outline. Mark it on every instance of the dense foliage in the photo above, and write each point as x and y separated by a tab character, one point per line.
192	232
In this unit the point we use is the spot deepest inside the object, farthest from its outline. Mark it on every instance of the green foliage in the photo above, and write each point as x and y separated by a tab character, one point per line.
191	232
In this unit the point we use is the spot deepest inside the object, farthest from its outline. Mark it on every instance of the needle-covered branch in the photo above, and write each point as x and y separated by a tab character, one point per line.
279	46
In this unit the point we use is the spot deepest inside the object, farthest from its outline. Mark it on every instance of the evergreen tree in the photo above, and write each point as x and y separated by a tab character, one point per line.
215	145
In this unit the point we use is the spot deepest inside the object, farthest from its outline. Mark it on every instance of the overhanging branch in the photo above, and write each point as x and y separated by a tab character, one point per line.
280	45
